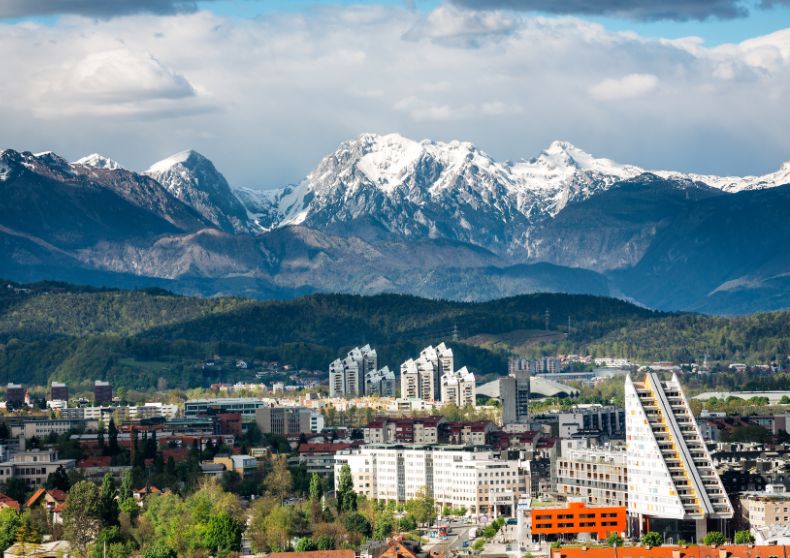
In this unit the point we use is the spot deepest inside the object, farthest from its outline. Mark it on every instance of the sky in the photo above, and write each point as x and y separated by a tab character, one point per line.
266	88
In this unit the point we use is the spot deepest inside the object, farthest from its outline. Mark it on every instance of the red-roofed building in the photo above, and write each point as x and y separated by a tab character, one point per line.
670	551
8	502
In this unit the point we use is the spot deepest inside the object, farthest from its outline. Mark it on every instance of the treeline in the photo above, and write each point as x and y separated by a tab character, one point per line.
55	331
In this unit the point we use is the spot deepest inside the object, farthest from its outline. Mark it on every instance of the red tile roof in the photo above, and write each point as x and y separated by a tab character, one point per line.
35	497
315	554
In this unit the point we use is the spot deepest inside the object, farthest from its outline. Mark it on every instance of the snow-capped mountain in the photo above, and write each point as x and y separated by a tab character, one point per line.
411	189
97	161
193	179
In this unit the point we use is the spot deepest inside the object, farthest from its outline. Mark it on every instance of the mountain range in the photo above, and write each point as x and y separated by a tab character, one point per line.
383	213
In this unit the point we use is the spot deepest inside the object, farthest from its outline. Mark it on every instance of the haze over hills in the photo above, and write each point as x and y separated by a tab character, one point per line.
388	214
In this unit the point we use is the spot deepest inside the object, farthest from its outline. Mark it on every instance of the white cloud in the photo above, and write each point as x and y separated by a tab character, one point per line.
632	85
266	98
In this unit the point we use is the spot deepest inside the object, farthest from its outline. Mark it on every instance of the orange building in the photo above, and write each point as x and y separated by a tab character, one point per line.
669	551
577	518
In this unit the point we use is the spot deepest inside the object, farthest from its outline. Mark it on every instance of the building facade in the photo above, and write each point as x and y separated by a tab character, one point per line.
102	392
34	467
347	375
577	519
286	421
452	476
768	508
596	475
670	472
421	377
458	387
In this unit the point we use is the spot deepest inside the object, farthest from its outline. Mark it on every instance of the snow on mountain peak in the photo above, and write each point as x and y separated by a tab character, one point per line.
179	158
98	161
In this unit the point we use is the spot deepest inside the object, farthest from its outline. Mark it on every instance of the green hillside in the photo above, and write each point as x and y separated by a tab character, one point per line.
56	331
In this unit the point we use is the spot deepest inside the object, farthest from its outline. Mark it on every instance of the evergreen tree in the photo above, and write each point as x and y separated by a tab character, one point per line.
346	497
316	487
113	448
108	506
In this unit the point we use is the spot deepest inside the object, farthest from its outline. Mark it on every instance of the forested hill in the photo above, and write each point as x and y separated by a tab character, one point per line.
57	331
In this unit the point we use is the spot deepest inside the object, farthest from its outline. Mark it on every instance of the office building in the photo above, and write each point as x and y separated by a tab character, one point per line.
596	475
245	406
514	392
59	391
421	377
671	478
347	376
34	466
592	420
102	392
579	520
288	421
458	387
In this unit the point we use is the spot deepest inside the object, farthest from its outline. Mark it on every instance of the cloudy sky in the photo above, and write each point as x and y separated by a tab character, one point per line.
266	88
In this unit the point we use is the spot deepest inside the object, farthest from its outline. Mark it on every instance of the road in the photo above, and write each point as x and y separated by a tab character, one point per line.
456	537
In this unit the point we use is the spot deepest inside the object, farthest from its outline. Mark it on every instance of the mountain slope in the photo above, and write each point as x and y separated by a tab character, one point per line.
194	180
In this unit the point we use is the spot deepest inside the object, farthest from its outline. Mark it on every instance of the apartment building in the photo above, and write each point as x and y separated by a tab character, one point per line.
670	472
59	391
596	475
15	393
458	387
347	376
381	382
767	508
421	377
453	476
383	430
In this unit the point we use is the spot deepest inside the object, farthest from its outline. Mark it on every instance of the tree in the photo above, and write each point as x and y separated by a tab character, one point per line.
279	481
357	523
714	538
422	507
81	517
384	527
100	439
407	523
346	497
113	448
784	400
9	523
316	487
223	534
58	479
614	539
305	544
159	550
744	537
651	538
16	488
108	506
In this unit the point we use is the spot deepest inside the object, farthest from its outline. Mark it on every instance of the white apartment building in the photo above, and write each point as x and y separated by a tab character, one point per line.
475	480
670	472
347	376
459	387
767	509
380	382
421	377
595	474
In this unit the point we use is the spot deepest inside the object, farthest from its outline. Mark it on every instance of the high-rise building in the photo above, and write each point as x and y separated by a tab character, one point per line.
380	382
421	377
59	391
15	393
671	478
287	421
514	392
347	376
458	387
102	392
